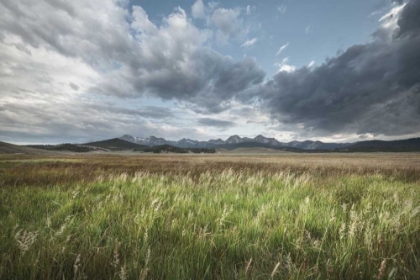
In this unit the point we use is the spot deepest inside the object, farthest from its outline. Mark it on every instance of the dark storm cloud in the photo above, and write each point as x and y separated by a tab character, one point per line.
215	123
371	88
211	80
199	76
409	21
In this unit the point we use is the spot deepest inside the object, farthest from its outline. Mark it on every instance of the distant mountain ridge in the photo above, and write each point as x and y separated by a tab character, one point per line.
155	144
235	139
262	141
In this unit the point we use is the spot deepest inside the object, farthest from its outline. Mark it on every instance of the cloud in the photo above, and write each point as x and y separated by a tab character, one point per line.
64	66
215	123
227	20
148	112
80	120
285	67
198	10
282	9
312	63
137	58
80	68
74	86
249	42
250	9
174	64
282	48
389	24
384	6
370	88
51	113
141	22
409	21
307	29
38	104
228	24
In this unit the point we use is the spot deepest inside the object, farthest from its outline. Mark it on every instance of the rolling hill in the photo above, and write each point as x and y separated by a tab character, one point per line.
6	148
407	145
65	148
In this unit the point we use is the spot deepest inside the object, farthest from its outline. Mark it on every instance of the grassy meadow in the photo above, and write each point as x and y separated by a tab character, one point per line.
332	216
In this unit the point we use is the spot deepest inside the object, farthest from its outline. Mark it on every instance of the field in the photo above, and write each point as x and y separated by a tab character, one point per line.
282	216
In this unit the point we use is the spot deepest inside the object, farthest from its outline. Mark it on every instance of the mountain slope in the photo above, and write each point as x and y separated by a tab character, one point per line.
65	148
412	144
6	148
116	144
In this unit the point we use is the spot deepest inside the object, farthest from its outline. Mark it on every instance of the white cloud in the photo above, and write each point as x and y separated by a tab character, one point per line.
226	20
141	22
282	9
285	67
198	10
389	23
391	17
374	13
228	23
250	9
312	63
250	42
282	48
212	6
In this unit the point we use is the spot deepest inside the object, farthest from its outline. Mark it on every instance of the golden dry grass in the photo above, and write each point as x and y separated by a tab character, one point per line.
36	169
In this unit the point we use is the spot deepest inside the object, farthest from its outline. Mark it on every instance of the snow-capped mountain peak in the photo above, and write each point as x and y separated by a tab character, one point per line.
235	139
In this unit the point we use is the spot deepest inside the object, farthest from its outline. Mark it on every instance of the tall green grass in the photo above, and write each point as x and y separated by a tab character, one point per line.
219	225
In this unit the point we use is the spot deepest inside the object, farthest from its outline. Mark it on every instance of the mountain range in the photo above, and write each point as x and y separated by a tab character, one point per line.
233	140
236	141
159	145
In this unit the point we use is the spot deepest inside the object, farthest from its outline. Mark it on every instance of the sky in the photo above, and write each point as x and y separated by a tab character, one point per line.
335	71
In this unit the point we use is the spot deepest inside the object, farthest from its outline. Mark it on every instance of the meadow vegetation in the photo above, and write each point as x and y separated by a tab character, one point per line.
352	216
